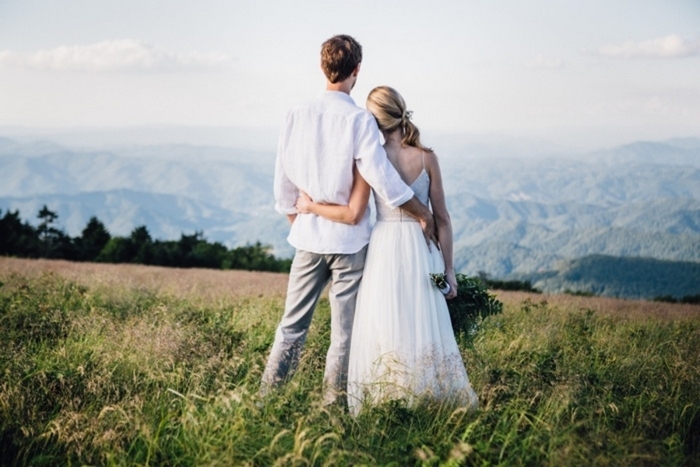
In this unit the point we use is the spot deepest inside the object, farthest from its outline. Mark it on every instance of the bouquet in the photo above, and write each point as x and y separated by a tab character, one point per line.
472	304
440	282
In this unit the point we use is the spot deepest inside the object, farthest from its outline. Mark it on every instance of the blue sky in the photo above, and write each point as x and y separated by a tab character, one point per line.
585	73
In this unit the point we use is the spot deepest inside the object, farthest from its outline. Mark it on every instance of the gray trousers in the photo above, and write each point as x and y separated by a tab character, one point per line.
308	277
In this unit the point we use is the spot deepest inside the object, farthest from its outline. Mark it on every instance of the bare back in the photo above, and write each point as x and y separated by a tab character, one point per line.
408	161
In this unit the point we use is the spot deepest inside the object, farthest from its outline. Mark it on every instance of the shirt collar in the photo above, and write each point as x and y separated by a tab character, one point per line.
337	95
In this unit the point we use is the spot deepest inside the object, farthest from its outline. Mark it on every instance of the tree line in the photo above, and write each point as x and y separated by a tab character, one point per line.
510	285
21	239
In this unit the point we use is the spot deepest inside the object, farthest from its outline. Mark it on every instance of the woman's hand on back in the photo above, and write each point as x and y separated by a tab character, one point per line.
304	203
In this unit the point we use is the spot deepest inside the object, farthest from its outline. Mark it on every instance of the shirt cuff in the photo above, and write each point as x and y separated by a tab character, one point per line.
285	210
404	198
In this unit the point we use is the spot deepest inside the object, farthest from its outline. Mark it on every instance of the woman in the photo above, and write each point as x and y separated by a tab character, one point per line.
403	345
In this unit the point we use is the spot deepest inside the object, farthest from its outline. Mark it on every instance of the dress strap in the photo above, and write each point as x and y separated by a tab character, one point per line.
422	154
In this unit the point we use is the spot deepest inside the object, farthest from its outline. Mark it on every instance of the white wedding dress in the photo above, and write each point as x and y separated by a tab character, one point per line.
403	345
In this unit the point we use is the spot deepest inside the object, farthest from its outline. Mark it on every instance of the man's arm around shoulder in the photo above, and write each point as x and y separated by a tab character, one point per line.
374	166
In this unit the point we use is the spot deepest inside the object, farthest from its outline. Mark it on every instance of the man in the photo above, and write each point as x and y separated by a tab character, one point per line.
319	144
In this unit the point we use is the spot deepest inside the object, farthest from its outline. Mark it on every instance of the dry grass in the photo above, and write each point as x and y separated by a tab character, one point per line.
613	307
207	284
215	285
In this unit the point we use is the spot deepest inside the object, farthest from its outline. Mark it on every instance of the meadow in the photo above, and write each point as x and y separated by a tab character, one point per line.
106	364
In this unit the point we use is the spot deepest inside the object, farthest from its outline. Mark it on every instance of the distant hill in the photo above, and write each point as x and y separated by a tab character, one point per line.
504	237
171	189
511	215
620	277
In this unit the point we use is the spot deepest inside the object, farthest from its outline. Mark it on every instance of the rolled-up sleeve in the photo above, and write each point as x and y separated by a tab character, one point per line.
374	165
286	192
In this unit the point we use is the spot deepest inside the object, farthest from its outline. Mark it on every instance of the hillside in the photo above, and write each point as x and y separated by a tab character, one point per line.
621	277
511	215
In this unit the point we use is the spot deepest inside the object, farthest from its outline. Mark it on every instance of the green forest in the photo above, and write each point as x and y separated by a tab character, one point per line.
46	240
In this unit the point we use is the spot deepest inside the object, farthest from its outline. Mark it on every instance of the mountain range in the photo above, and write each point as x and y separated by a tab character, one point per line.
511	215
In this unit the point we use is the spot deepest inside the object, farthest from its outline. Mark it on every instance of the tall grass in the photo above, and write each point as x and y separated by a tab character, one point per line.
95	375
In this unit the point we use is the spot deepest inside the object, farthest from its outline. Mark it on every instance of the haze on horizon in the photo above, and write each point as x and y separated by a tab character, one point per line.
584	74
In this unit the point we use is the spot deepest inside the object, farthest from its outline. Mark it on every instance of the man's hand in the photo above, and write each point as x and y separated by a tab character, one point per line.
429	230
421	212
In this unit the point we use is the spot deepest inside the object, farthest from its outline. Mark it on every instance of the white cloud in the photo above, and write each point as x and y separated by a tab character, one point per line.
542	62
110	56
672	46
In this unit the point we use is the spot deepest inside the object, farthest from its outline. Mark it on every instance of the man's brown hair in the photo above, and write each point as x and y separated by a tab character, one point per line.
340	55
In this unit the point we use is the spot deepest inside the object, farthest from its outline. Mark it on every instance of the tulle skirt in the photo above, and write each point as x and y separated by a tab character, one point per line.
403	345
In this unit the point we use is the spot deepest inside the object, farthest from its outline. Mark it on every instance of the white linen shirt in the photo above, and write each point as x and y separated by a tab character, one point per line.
318	145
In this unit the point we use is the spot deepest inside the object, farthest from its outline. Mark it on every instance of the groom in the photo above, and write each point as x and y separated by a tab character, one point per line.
320	142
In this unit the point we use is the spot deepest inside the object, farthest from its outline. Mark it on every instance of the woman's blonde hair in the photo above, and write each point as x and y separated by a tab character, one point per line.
389	108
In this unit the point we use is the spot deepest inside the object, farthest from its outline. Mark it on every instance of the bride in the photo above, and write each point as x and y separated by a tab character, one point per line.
403	345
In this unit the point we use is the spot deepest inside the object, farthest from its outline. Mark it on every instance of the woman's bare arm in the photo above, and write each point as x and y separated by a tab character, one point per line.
442	220
352	213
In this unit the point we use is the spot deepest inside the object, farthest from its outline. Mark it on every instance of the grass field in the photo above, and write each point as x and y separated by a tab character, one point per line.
134	365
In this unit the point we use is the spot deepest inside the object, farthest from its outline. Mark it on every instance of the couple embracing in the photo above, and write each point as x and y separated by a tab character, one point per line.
391	336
